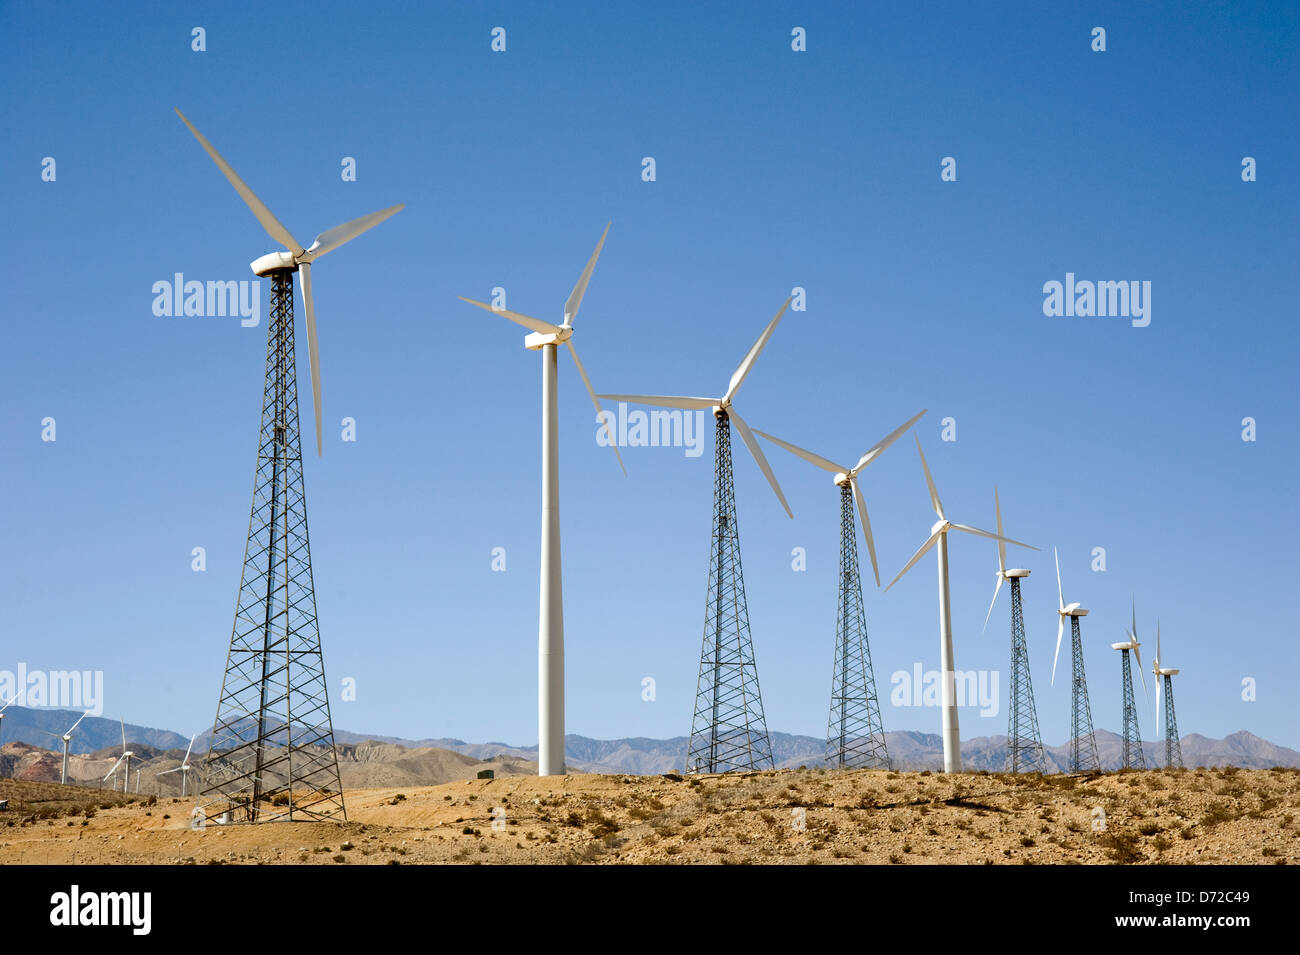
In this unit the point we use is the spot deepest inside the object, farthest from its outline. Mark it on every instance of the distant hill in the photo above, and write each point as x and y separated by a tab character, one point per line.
44	727
371	760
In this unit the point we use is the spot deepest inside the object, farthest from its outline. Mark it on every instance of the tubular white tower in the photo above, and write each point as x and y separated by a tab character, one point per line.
546	338
947	665
550	624
184	768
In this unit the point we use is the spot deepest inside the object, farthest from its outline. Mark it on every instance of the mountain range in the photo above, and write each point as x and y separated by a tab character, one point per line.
908	750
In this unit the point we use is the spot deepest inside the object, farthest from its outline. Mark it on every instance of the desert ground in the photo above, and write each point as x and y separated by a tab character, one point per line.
785	816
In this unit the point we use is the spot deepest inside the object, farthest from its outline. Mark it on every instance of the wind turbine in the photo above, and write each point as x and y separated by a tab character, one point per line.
258	698
184	768
67	738
1173	747
859	738
939	535
125	757
1133	756
728	728
546	338
1024	742
294	258
7	705
1084	756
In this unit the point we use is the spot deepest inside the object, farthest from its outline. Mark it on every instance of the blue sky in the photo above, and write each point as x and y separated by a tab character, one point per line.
775	169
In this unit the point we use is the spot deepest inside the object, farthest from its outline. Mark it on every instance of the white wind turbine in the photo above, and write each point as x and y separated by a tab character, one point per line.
295	257
184	768
1165	676
9	704
1003	574
939	535
1065	610
849	475
1132	644
547	338
1160	673
723	408
126	757
67	738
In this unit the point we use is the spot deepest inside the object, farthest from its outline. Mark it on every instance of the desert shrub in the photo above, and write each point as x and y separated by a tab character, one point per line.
1121	847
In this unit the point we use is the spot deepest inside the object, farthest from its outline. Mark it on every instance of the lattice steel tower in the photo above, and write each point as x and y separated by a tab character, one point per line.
272	753
729	730
1165	676
1084	756
1024	744
1132	755
855	735
1173	748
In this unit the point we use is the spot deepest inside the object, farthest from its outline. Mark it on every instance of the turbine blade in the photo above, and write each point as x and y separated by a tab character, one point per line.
1137	652
114	769
1060	596
934	495
188	748
574	301
166	771
996	591
997	537
816	459
886	441
78	723
915	557
313	349
609	425
123	725
866	527
1002	545
664	401
331	239
742	370
269	222
530	323
1060	631
752	443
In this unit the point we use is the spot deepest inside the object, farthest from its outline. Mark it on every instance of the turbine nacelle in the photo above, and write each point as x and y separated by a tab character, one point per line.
846	478
536	341
941	526
722	408
274	262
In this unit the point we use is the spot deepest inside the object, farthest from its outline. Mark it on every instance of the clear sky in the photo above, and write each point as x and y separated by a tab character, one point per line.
775	169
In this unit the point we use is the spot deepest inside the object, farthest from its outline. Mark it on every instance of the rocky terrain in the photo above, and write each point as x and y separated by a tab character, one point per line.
787	816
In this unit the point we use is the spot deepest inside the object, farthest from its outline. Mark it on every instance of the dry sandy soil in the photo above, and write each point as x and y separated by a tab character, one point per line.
788	816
